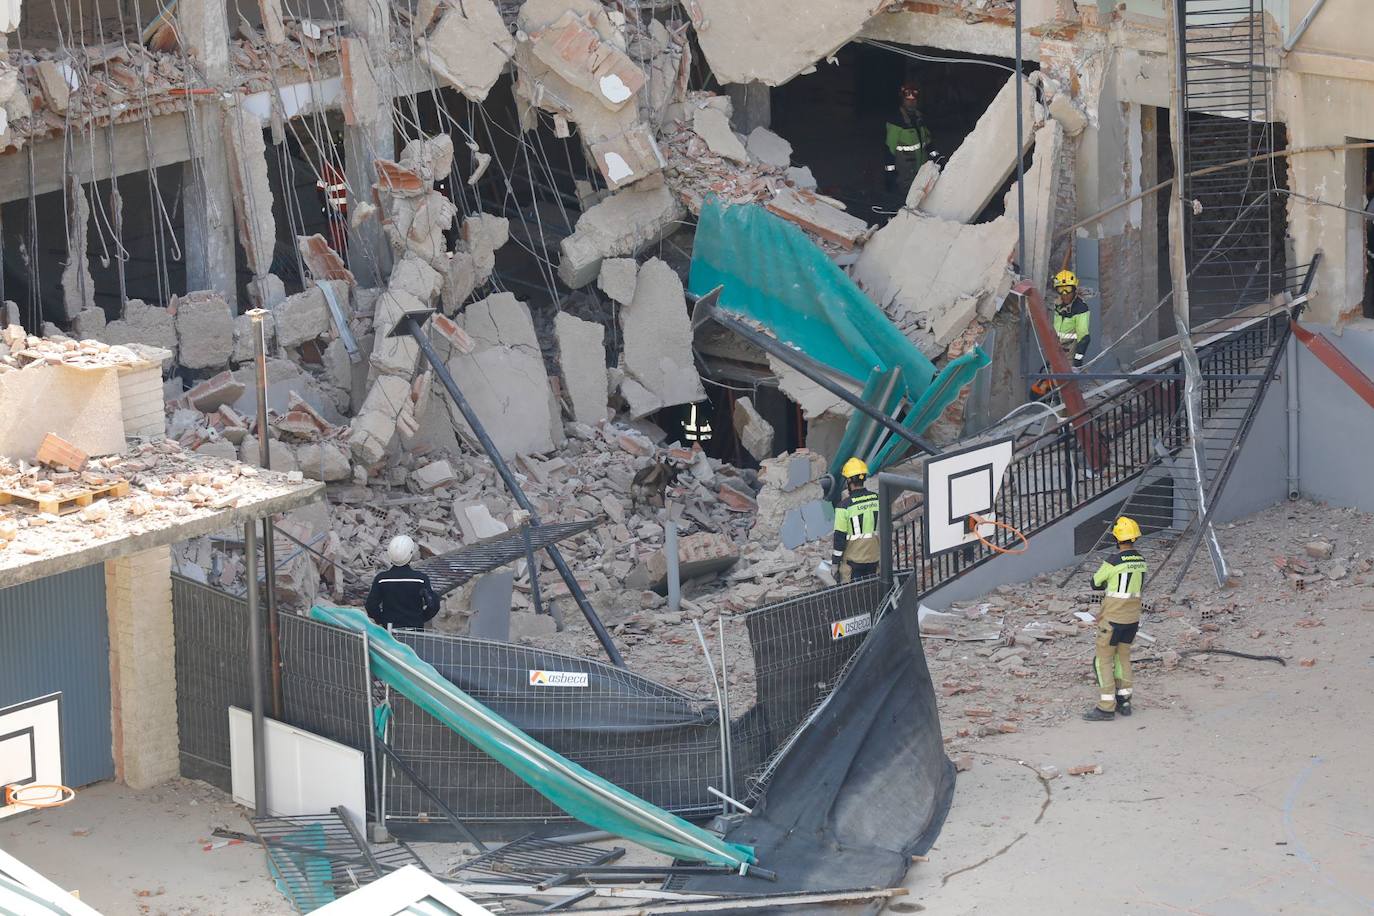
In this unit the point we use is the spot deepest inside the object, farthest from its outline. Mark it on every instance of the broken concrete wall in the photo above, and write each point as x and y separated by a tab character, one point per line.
504	379
247	155
659	367
205	330
933	276
771	41
621	225
84	406
985	160
582	357
468	47
1042	182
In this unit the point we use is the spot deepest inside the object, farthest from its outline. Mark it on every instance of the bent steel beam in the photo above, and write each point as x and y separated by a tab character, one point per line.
1323	349
706	310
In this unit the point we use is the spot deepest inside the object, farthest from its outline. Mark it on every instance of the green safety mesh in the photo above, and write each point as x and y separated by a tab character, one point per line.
577	791
772	273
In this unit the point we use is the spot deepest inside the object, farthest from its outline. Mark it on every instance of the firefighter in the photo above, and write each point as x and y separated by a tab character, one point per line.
908	142
1121	576
401	596
1071	318
856	525
696	423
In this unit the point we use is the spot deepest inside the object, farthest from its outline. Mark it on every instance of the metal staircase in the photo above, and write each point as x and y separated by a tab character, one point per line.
1164	498
1233	256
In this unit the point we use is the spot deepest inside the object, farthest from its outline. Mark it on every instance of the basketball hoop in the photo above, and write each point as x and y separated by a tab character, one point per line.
974	521
38	796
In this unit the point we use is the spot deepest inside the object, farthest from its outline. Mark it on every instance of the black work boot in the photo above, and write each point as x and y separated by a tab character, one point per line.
1123	705
1098	714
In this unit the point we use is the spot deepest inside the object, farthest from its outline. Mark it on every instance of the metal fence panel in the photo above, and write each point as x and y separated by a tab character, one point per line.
659	743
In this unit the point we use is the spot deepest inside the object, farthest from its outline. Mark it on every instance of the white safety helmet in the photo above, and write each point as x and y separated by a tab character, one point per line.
401	550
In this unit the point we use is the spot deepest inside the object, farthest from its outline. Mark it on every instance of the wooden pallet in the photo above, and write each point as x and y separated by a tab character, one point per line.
64	503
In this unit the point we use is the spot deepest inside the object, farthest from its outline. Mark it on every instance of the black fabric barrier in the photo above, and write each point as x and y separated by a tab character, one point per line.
867	784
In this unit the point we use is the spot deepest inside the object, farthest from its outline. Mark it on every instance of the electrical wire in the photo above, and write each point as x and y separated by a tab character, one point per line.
933	58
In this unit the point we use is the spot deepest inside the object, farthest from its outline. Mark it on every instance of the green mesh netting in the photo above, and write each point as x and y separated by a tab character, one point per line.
577	791
772	273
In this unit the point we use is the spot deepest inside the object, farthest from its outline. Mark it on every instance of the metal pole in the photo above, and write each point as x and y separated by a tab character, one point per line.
1020	150
791	358
250	544
409	325
269	540
670	553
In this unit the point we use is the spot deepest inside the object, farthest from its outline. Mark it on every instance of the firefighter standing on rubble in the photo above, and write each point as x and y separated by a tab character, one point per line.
856	525
1122	577
401	596
908	143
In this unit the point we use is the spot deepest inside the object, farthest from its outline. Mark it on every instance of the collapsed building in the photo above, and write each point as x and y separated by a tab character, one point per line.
546	192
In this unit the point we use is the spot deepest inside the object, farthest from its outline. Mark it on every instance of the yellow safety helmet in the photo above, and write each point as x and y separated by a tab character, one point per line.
1065	279
1126	529
854	467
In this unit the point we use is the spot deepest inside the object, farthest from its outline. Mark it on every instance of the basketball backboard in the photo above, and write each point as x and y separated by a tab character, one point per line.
961	484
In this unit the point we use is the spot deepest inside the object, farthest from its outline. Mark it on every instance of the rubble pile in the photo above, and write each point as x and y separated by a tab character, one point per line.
166	484
43	90
1021	656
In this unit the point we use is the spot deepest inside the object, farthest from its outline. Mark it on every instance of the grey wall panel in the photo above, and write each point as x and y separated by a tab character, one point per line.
54	637
1335	427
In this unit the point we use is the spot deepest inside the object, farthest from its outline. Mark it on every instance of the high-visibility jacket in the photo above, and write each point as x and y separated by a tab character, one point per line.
856	527
1073	326
696	425
908	142
1122	577
334	186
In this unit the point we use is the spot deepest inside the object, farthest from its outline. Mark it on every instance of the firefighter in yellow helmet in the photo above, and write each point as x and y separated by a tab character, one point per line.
1121	576
856	525
1072	321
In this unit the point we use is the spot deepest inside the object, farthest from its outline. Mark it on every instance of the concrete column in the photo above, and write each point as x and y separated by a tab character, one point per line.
752	106
143	687
208	206
369	255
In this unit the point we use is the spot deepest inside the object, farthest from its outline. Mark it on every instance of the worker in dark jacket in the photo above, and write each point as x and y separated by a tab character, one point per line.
401	596
907	140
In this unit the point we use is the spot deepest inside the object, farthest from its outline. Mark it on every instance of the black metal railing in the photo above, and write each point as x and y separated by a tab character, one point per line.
1137	422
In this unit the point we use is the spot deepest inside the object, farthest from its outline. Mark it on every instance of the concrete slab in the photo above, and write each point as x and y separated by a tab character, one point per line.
984	161
621	225
713	126
469	47
772	41
658	339
582	357
769	148
205	330
490	600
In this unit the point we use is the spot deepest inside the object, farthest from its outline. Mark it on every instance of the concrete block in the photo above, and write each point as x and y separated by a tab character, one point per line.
582	357
246	152
483	234
278	453
784	490
793	530
205	330
621	225
373	430
394	355
215	392
772	41
476	521
89	324
577	52
617	279
82	406
818	216
984	161
302	317
468	48
713	126
266	292
699	555
490	601
323	461
434	475
754	432
244	346
628	157
768	148
922	184
1072	118
143	323
801	177
658	339
819	516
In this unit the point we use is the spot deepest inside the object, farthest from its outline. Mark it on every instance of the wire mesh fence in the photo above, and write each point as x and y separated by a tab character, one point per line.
651	740
799	647
325	683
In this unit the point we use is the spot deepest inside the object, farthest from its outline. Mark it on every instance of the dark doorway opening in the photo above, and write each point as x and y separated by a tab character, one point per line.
834	118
